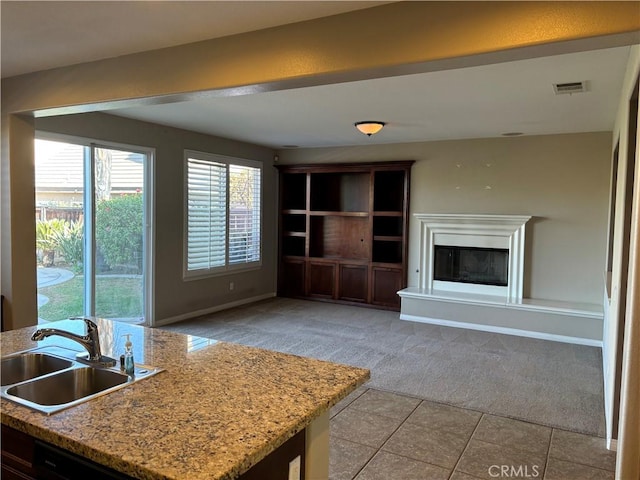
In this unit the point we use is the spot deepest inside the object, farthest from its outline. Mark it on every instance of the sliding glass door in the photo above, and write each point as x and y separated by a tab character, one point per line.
92	228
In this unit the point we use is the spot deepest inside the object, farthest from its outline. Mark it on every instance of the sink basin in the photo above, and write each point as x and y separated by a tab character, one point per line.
26	366
49	379
68	386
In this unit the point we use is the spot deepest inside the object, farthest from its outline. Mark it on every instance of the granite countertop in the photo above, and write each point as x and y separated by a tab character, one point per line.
216	410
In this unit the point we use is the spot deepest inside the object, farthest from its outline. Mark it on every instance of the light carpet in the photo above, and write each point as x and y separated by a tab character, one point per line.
543	382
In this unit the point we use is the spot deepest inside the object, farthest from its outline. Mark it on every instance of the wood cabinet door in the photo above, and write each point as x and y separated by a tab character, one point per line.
385	283
321	278
354	285
17	454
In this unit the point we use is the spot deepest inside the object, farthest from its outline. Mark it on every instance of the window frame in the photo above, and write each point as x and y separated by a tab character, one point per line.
227	268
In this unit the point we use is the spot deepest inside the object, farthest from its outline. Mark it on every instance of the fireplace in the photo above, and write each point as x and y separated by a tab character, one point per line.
484	266
451	252
472	254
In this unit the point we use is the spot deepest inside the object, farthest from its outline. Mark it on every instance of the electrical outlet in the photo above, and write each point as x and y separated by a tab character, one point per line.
231	286
294	469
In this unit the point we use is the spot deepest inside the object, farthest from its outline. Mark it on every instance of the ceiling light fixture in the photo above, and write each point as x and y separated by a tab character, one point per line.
369	128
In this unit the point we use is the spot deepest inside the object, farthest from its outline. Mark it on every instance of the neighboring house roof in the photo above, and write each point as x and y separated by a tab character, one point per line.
63	170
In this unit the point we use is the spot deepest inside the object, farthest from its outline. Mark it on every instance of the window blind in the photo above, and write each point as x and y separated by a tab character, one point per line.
206	213
244	214
223	214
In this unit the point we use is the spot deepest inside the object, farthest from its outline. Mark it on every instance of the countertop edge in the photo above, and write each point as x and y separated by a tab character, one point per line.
128	468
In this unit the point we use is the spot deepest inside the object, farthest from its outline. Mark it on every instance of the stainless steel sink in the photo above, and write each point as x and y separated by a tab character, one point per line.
68	386
50	379
26	366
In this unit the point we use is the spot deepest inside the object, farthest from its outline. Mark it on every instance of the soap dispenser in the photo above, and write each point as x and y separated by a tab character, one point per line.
129	366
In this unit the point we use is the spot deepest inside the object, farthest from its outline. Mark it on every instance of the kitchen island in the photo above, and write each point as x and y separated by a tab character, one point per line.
216	411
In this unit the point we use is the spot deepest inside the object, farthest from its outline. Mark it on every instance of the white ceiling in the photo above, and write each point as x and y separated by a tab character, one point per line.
474	102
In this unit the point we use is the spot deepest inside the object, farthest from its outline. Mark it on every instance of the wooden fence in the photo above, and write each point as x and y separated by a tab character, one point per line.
70	214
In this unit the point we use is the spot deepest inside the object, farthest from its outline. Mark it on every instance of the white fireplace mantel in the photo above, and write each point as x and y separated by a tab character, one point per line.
473	230
469	306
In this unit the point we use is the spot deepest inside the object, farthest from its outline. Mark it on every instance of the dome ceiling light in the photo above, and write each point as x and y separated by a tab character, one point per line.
369	128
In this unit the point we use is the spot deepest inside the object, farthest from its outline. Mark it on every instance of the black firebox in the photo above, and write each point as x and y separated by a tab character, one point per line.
485	266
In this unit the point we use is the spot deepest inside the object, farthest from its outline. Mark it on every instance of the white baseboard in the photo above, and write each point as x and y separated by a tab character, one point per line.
217	308
503	330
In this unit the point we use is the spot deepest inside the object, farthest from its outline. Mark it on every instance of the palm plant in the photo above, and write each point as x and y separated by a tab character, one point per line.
47	235
70	244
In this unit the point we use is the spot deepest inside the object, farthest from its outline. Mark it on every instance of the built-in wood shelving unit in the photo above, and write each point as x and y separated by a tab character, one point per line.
343	232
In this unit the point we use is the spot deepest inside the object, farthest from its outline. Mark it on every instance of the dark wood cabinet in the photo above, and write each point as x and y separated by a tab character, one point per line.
277	465
385	282
321	279
25	458
343	232
354	283
17	454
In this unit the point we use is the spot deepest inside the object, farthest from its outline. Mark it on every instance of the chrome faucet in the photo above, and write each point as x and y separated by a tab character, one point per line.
90	341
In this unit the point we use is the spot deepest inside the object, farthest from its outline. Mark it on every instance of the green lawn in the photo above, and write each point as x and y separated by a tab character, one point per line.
115	297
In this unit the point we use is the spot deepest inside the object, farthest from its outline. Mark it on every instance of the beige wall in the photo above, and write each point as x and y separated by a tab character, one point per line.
173	296
17	226
418	36
560	180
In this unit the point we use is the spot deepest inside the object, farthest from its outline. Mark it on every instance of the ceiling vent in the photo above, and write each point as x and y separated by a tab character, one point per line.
570	87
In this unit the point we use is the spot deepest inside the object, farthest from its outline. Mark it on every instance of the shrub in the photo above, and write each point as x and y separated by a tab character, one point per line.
47	236
119	231
70	244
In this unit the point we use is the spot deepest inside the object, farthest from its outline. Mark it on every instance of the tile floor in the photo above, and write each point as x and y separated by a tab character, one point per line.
378	435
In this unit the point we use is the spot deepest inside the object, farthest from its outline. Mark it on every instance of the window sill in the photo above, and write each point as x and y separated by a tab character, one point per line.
231	270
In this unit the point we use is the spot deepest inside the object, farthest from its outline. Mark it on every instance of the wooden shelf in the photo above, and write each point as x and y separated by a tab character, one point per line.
387	238
343	232
328	259
290	211
387	265
337	213
387	214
